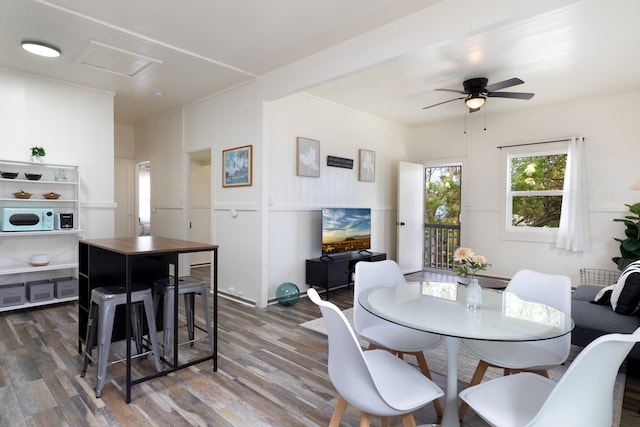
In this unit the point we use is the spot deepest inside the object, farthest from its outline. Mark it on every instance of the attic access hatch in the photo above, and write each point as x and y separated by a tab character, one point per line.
115	60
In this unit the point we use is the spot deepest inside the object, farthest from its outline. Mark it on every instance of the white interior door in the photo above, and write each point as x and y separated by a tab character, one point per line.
410	221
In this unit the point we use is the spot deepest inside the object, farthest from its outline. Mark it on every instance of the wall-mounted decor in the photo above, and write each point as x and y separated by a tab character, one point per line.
308	157
339	162
237	169
367	165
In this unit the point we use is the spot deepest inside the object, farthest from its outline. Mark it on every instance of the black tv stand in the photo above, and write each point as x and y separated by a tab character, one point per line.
334	271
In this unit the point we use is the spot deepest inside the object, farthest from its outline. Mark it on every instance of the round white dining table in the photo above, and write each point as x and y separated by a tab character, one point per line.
440	308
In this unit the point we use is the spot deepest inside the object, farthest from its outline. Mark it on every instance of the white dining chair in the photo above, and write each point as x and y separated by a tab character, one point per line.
530	356
374	381
381	333
582	397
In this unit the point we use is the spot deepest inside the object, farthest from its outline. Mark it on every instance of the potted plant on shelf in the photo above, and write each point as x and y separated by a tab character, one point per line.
37	153
629	247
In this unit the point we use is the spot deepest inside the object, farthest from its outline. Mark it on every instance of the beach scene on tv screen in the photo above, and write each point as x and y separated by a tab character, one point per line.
345	230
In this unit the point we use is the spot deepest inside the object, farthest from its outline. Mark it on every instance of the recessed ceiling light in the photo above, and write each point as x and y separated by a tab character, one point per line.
41	49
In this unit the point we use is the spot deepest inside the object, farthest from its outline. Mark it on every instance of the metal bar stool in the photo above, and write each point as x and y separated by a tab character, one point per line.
189	287
104	301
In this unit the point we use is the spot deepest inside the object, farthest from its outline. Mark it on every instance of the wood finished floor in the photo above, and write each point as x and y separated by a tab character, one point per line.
271	373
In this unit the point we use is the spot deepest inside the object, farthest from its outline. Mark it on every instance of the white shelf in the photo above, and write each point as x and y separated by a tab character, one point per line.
38	181
40	233
20	245
28	268
37	199
38	304
31	165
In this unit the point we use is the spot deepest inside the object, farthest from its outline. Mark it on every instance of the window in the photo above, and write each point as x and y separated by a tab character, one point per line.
534	183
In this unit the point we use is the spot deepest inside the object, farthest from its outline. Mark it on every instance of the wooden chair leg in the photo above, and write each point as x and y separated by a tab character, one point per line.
481	369
408	420
424	368
539	372
338	412
385	421
365	419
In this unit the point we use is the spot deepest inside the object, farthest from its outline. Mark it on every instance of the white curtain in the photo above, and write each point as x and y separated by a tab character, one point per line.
573	233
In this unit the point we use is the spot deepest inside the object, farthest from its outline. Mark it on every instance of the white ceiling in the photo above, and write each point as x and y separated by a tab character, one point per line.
191	49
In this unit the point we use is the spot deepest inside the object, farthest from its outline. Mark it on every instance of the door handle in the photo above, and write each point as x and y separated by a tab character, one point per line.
400	223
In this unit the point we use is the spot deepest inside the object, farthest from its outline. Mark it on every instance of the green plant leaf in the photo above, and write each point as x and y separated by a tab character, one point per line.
630	246
635	208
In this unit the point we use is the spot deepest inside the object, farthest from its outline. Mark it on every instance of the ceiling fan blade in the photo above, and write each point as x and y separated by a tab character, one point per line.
504	84
513	95
444	102
461	92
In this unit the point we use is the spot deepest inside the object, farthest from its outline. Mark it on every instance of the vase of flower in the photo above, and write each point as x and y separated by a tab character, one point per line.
466	265
474	294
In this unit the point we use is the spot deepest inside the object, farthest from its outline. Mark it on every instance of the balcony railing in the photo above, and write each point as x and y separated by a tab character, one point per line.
440	242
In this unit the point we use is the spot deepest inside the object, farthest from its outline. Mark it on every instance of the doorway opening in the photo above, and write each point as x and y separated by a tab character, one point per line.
144	199
199	212
442	215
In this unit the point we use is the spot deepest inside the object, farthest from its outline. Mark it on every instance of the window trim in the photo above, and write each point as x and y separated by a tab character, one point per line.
528	234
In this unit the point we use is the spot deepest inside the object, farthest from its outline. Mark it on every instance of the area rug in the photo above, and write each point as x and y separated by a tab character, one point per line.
437	360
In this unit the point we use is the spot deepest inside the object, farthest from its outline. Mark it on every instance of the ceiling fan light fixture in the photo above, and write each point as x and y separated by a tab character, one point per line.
40	49
475	101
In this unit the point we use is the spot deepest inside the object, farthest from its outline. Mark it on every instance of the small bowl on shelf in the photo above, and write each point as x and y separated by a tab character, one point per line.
39	260
33	176
22	195
9	175
51	196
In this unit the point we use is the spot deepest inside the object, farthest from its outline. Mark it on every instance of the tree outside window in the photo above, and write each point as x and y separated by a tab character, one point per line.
442	195
442	215
535	189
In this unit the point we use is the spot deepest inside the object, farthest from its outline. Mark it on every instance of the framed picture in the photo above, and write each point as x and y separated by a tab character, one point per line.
237	169
308	157
367	165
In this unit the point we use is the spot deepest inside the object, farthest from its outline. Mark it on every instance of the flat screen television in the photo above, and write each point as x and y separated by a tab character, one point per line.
345	230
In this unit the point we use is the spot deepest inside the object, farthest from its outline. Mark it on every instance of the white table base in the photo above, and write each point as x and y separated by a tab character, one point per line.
450	415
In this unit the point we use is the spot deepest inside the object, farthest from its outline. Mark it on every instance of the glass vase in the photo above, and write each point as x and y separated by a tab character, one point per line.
474	294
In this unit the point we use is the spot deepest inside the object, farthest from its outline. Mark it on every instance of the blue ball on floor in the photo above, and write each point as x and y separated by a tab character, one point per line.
287	294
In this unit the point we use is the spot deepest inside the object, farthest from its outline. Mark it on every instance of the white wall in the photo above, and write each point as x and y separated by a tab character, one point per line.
612	150
294	225
219	123
124	142
278	221
74	125
160	142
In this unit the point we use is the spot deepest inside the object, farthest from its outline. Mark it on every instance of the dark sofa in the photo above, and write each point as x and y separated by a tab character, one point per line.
593	320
